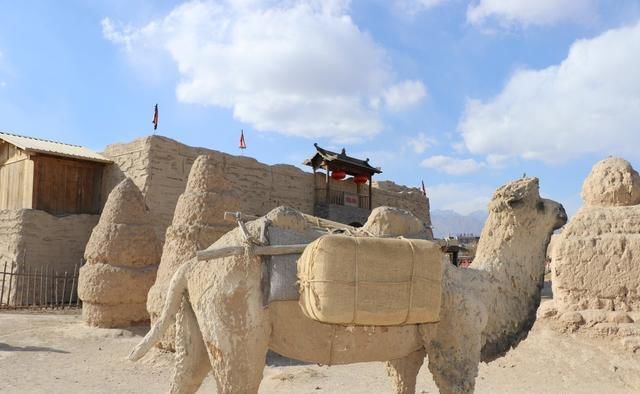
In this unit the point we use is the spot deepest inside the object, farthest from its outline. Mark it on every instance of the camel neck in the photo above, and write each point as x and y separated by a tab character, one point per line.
510	250
512	256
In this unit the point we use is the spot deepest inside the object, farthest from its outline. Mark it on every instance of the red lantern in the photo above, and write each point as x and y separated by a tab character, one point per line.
360	179
338	175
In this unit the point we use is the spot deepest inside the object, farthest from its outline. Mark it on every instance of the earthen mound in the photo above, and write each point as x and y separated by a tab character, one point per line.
612	182
122	258
596	258
197	223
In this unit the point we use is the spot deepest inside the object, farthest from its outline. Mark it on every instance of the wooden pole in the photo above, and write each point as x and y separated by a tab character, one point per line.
275	250
320	222
235	216
4	275
328	188
245	232
315	193
370	195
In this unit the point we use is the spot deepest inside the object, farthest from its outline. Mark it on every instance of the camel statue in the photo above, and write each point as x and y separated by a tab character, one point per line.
223	325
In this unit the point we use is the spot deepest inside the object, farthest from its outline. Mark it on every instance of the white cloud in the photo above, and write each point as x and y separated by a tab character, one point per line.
420	142
588	104
497	161
298	68
451	165
530	12
404	95
463	198
415	6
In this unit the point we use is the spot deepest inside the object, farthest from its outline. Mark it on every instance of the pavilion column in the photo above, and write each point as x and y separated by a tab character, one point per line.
370	195
315	188
328	187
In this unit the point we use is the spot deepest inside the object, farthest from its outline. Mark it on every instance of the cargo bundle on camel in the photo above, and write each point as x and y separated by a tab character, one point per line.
226	323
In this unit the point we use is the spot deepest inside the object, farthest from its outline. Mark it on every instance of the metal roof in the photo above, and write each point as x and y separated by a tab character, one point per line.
37	145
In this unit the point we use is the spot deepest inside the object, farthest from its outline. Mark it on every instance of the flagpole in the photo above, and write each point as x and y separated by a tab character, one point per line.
243	144
155	119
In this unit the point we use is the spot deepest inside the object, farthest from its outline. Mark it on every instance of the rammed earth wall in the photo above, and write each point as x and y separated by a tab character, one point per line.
36	239
160	167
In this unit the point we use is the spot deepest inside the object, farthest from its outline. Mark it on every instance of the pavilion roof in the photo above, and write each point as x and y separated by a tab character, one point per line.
333	160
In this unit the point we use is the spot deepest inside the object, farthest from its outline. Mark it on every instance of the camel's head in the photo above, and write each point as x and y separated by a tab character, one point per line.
522	197
519	216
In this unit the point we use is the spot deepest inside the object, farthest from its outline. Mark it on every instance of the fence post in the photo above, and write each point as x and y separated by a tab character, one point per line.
55	286
4	275
27	271
24	268
20	282
77	295
46	287
33	293
64	289
10	283
40	295
73	283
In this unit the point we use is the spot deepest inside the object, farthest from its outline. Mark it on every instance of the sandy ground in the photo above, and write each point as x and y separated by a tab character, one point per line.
57	353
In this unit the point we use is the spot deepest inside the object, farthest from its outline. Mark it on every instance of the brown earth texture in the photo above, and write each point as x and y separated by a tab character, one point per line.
58	353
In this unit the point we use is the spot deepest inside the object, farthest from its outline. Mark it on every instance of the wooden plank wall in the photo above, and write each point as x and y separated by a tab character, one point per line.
66	186
16	178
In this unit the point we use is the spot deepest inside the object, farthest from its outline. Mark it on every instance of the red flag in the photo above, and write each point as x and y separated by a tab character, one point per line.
155	118
424	189
242	143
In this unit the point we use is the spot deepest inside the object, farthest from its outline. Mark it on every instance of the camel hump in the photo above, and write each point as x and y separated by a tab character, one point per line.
394	222
612	182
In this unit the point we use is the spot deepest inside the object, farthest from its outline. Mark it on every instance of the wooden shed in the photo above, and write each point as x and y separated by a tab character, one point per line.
50	176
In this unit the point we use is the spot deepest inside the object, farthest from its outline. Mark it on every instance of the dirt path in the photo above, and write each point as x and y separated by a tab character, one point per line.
46	353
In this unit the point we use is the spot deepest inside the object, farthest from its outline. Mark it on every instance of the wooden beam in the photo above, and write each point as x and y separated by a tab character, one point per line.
27	194
273	250
235	216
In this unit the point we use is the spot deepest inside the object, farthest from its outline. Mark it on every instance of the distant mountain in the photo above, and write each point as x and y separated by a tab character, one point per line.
447	222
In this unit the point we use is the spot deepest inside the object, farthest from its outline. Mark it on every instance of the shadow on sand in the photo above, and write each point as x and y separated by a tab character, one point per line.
4	347
276	360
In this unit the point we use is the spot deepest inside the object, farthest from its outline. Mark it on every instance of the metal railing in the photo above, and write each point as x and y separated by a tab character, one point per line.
337	197
38	287
363	202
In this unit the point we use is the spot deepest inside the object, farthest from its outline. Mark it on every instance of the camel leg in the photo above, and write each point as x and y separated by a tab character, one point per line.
404	371
454	350
236	332
454	369
192	363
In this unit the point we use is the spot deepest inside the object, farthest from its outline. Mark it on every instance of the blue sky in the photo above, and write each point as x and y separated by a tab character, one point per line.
463	94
